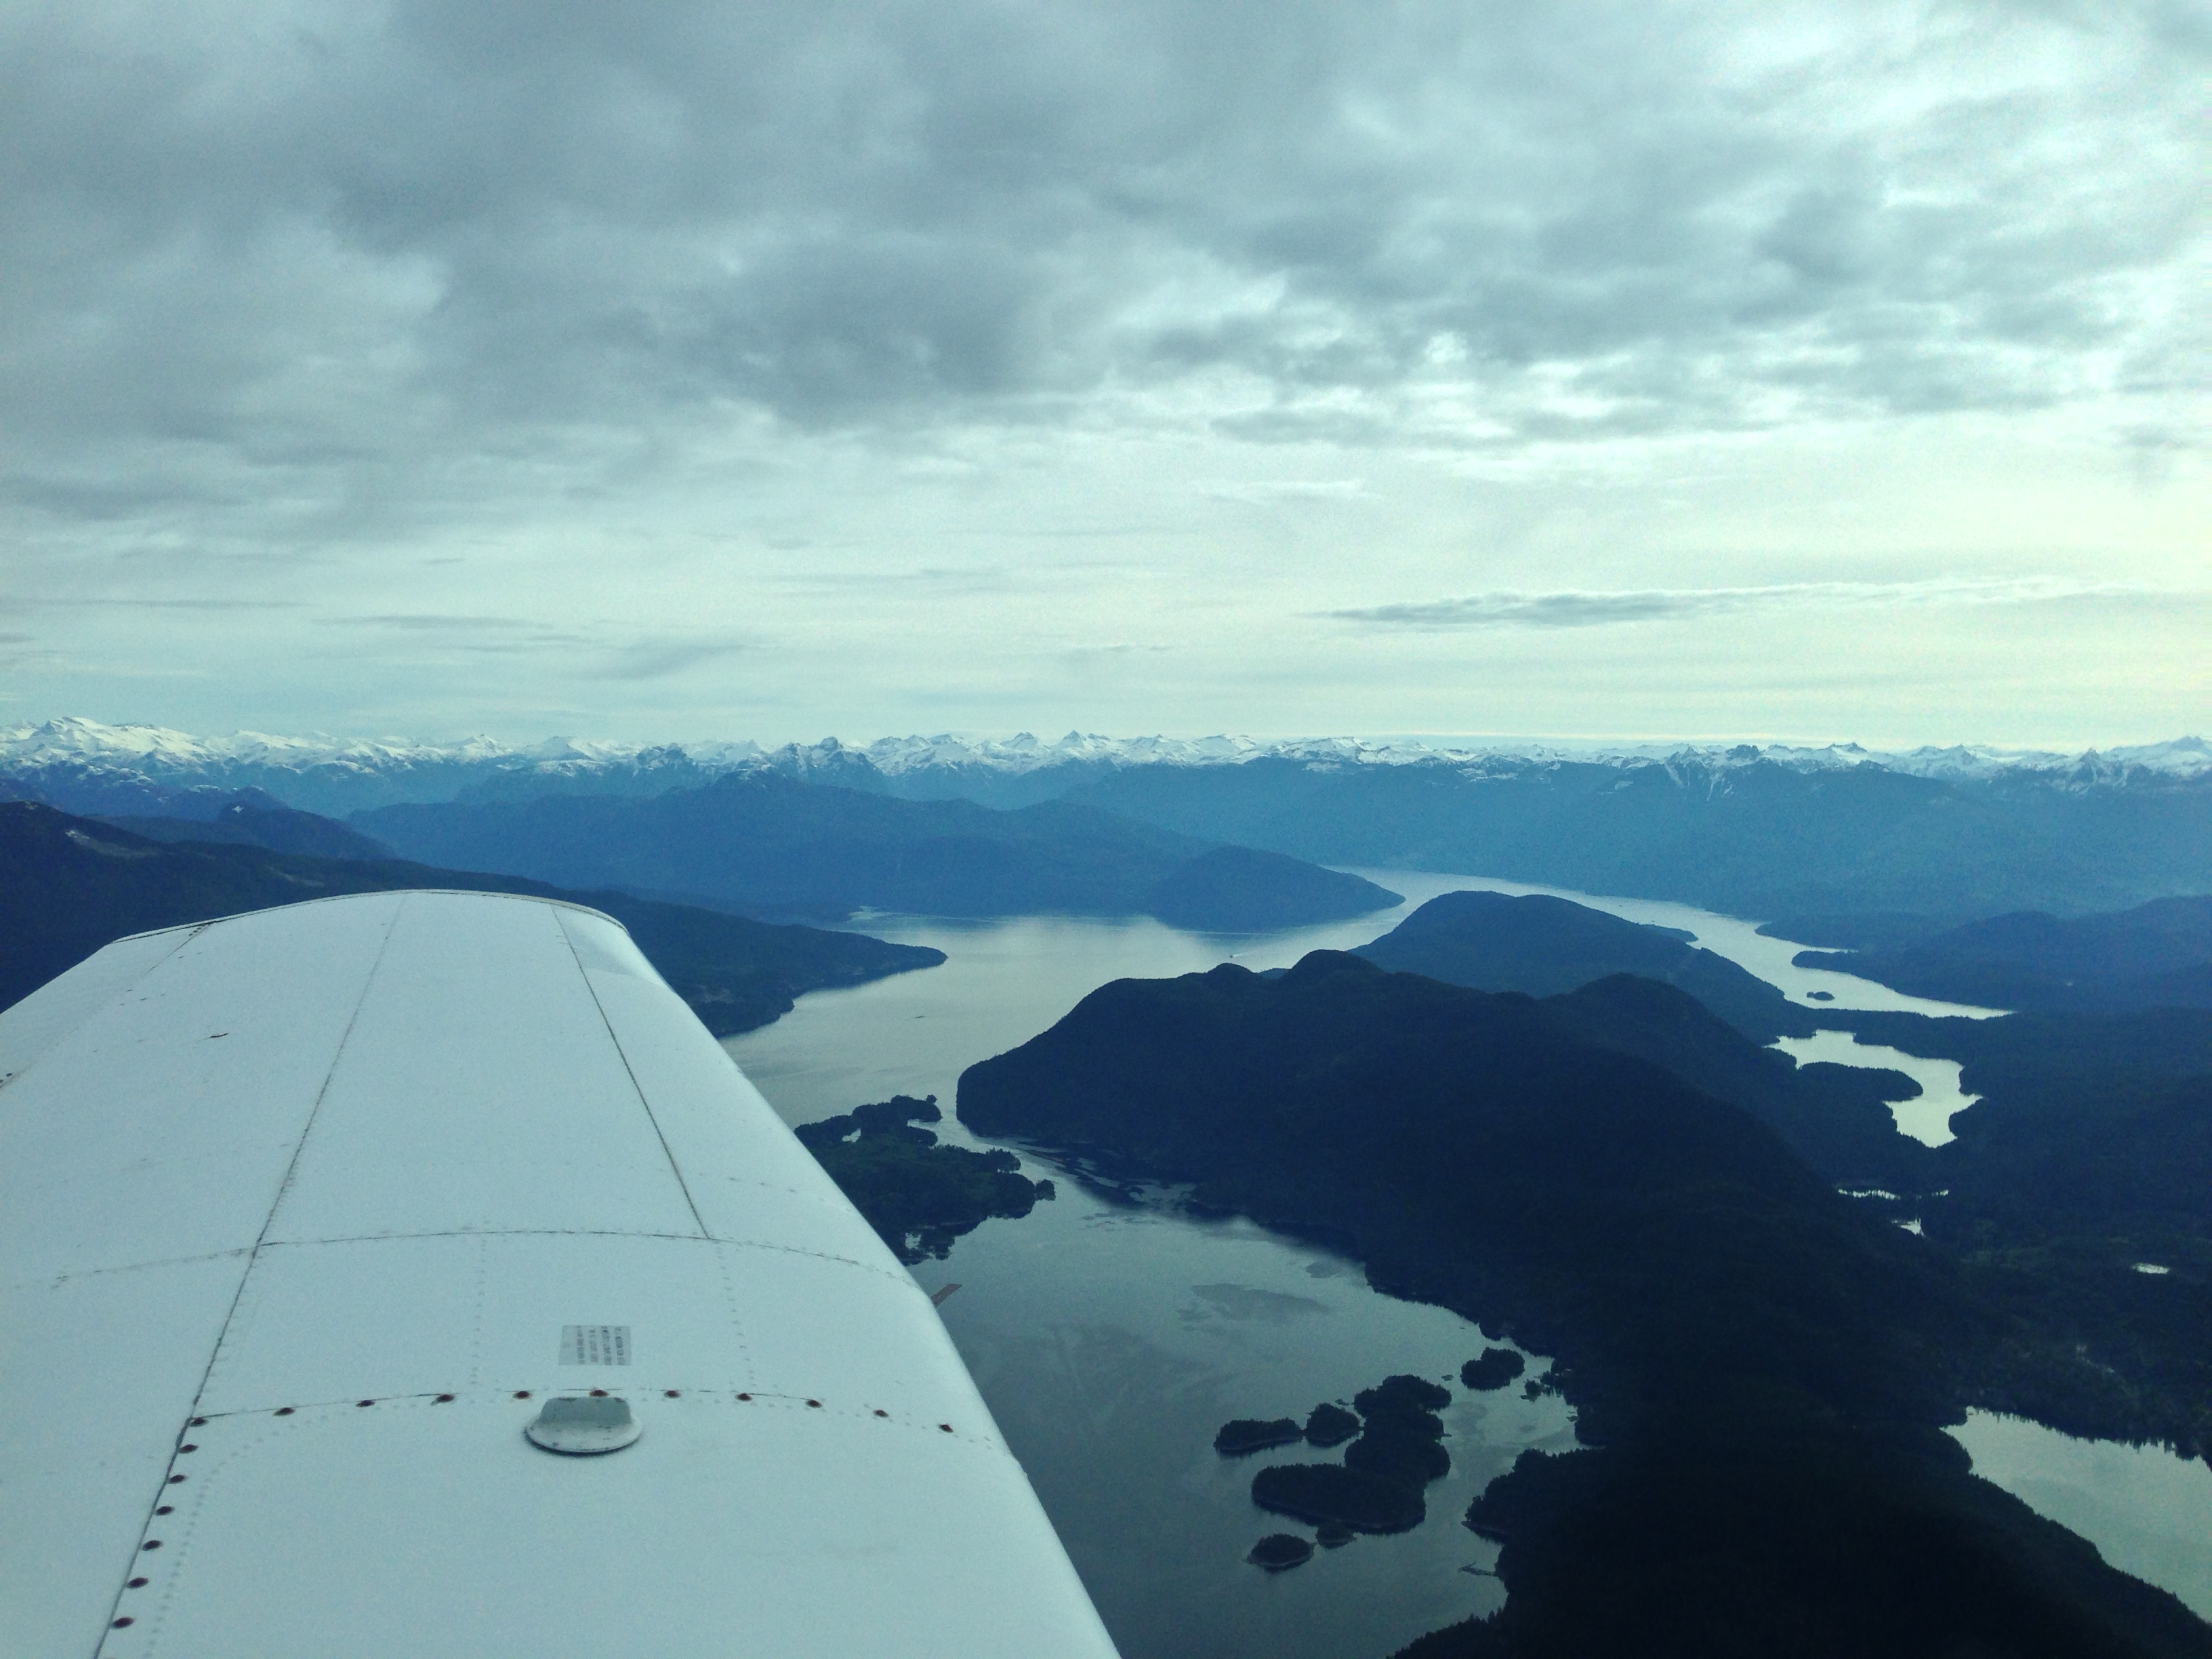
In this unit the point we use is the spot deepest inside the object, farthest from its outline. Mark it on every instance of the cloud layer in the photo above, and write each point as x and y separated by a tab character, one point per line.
990	362
1575	609
342	234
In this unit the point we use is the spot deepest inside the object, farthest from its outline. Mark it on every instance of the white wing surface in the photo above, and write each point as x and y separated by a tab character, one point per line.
306	1214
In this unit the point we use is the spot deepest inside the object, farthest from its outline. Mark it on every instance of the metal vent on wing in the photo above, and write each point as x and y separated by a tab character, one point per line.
583	1426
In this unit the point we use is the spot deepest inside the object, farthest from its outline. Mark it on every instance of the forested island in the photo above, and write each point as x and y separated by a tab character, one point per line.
1763	1367
1396	1448
918	1196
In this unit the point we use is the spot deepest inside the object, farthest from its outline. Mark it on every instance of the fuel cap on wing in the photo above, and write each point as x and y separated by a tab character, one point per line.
583	1426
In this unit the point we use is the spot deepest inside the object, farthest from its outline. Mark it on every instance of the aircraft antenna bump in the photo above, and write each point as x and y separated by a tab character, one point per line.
583	1425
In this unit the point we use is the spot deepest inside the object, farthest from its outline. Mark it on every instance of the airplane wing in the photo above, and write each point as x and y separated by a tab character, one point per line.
319	1226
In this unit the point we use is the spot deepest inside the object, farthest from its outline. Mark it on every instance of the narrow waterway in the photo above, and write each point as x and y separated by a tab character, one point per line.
1926	1118
2148	1511
1112	1338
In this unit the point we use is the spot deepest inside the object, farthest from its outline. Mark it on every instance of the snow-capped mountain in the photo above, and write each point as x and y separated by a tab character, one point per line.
90	766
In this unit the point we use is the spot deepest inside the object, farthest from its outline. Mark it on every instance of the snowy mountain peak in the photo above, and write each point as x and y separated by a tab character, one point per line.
67	759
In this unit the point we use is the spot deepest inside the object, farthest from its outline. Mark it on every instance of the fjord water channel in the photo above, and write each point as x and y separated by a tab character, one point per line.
1112	1332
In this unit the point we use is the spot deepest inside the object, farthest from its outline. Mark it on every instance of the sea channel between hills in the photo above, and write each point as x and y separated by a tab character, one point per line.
1112	1332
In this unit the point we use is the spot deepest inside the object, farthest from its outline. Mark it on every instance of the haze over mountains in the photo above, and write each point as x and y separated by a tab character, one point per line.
2158	955
762	843
1953	834
1521	1106
70	885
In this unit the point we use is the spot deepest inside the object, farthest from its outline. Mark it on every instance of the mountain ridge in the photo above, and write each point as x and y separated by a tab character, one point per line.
760	842
70	885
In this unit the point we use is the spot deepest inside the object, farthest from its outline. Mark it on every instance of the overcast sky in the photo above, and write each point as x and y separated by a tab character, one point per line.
663	368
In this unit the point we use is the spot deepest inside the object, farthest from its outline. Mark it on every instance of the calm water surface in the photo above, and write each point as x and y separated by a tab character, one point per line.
1927	1118
2148	1511
1111	1337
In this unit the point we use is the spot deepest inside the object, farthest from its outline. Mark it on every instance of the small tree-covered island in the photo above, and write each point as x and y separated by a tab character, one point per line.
1761	1369
918	1195
1398	1450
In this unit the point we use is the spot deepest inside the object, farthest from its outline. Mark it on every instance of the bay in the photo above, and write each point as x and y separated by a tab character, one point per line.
2149	1511
1111	1334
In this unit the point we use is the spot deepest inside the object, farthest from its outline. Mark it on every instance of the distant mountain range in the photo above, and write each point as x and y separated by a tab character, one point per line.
341	775
2156	955
1761	831
760	843
69	885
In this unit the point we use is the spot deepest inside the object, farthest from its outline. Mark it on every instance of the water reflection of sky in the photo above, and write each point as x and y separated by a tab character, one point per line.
1112	1341
2148	1511
1927	1117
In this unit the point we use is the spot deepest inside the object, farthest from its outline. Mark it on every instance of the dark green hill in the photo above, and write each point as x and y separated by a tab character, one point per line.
1544	945
1647	991
2089	1152
2156	955
1837	1118
1479	1147
69	885
1828	1554
1749	838
1875	930
763	842
1236	890
251	824
1761	1365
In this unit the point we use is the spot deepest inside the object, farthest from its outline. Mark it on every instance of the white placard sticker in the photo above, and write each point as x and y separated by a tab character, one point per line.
595	1345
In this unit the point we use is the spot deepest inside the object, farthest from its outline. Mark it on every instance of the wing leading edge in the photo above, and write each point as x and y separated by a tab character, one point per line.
304	1215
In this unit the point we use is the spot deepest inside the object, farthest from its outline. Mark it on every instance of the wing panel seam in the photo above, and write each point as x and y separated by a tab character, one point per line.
283	1186
189	930
630	1072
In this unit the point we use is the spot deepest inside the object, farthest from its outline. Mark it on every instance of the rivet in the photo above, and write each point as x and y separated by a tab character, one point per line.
286	1411
947	1427
815	1403
443	1400
196	1423
188	1446
174	1479
881	1413
744	1396
121	1622
669	1394
598	1394
151	1544
522	1394
167	1509
139	1583
364	1402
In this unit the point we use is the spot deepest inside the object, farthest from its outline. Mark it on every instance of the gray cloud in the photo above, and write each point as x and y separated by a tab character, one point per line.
1575	609
58	601
329	238
657	660
593	654
415	622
